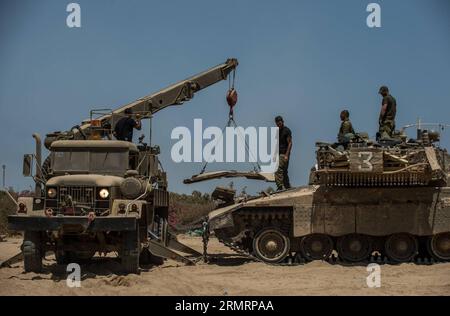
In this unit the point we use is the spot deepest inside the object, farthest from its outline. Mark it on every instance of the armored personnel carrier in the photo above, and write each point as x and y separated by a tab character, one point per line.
366	199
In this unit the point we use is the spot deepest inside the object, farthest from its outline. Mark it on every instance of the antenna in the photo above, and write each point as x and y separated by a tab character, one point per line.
4	176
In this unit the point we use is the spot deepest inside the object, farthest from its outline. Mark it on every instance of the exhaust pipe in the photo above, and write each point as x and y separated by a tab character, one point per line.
38	188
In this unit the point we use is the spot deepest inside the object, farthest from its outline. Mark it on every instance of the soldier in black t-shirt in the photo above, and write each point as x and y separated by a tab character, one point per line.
387	114
284	150
124	127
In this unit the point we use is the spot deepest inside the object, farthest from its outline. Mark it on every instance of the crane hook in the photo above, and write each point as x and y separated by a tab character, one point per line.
232	98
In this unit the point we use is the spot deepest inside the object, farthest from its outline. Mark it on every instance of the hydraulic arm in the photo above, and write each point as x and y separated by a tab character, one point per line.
175	94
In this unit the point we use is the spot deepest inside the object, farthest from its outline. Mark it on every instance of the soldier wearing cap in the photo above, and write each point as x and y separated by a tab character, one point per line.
387	114
284	150
124	127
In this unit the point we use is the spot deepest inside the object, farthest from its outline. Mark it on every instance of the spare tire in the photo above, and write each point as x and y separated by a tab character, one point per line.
131	188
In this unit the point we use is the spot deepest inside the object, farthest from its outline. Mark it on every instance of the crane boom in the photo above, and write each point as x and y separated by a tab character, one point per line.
146	106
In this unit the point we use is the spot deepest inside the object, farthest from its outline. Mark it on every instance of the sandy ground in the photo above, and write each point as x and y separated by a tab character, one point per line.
231	275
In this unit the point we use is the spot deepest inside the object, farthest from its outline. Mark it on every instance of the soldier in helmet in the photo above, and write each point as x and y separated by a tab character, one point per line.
387	114
346	131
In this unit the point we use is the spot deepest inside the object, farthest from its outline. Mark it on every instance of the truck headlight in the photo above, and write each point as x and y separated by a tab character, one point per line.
51	193
104	193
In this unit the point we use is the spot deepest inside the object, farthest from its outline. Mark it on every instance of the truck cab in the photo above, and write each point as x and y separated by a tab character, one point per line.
87	175
91	196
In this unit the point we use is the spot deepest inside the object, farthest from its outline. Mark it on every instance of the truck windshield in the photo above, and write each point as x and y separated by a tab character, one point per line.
90	162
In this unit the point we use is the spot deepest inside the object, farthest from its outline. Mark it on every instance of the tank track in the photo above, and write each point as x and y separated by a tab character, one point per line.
298	259
241	251
295	259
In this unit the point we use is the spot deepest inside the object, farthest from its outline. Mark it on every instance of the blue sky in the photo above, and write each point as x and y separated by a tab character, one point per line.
305	60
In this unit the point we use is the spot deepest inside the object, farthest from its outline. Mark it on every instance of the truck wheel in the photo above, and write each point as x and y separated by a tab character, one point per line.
130	251
32	251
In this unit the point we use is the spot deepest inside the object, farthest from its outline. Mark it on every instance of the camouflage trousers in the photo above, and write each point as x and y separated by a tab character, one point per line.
386	129
281	175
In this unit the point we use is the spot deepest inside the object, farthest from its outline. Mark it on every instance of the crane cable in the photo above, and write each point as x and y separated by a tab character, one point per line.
232	98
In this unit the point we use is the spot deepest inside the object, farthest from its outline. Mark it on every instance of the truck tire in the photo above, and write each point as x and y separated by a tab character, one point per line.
130	251
32	251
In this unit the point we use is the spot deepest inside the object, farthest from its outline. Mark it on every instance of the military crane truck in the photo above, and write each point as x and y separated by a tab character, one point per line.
97	194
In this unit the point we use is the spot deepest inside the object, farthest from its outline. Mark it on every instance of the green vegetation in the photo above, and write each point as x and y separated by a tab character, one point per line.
187	211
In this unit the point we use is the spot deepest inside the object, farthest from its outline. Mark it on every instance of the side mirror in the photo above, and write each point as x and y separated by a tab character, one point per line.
27	165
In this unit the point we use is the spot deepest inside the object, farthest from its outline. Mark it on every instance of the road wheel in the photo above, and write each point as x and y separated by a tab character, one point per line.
130	251
401	247
32	251
439	246
271	245
316	246
354	247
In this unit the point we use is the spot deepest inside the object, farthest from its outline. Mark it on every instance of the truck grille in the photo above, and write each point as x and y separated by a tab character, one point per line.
79	194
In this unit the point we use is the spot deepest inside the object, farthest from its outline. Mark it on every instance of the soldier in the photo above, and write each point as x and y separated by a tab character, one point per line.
346	131
284	151
387	114
124	127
